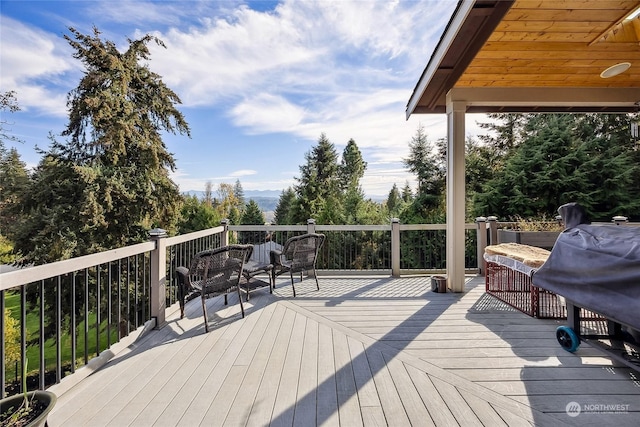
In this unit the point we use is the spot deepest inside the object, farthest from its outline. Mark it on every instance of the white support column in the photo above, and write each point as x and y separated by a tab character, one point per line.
455	194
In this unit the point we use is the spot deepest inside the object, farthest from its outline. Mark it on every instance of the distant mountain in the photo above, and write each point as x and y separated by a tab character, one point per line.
247	194
265	203
262	193
267	200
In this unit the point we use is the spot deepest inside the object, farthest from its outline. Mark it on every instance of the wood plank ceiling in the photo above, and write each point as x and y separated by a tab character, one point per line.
534	44
559	43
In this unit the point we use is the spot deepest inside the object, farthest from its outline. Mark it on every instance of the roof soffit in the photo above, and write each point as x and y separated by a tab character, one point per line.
536	44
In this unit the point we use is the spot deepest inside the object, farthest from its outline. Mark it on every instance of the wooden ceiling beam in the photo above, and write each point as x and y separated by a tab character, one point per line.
576	97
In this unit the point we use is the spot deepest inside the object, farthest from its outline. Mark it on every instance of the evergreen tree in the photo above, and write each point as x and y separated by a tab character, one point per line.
564	158
283	212
14	181
394	201
506	131
407	194
8	103
426	163
54	203
538	176
252	214
238	191
318	186
370	212
427	167
352	167
111	177
612	165
481	164
197	215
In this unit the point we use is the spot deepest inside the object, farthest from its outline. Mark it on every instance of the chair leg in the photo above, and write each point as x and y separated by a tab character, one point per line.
204	314
182	293
292	285
225	300
315	276
181	300
240	299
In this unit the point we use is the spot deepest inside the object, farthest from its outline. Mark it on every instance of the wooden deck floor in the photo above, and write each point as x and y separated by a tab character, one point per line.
361	351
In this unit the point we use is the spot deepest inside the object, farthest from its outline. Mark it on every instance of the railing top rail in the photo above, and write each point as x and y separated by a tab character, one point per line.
192	236
406	227
343	227
27	275
353	227
268	227
513	223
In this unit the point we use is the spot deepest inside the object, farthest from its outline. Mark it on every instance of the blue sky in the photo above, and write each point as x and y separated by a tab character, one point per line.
259	81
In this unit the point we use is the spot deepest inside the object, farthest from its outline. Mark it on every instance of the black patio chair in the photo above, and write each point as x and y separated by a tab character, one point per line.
212	273
299	254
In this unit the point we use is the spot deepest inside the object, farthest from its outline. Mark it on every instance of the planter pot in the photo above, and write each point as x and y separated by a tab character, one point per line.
45	398
540	239
438	284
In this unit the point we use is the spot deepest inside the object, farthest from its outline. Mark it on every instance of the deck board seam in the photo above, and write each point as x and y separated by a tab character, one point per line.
489	395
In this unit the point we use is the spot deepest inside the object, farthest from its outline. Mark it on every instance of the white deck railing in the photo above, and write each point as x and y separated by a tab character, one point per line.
69	312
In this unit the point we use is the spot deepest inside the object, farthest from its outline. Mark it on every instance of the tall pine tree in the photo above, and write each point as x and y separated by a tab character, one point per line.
318	188
352	166
283	212
113	172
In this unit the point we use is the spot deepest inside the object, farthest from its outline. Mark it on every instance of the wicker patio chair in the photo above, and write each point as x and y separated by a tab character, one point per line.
299	254
212	273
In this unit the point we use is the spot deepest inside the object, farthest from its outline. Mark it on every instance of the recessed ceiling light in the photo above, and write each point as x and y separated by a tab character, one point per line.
614	70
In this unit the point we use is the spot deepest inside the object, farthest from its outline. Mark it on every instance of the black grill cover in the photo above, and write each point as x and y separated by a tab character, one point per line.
596	267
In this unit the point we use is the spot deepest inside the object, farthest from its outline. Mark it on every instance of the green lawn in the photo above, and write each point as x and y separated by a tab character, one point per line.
12	302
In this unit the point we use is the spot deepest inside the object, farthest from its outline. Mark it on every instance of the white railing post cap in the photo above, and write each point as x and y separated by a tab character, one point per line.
157	232
395	220
492	218
481	219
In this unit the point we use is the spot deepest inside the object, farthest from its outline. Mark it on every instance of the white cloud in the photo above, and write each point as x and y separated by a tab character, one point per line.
308	67
345	68
34	62
141	13
305	51
242	172
267	113
187	182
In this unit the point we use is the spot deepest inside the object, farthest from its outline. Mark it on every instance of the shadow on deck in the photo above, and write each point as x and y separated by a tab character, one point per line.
361	351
